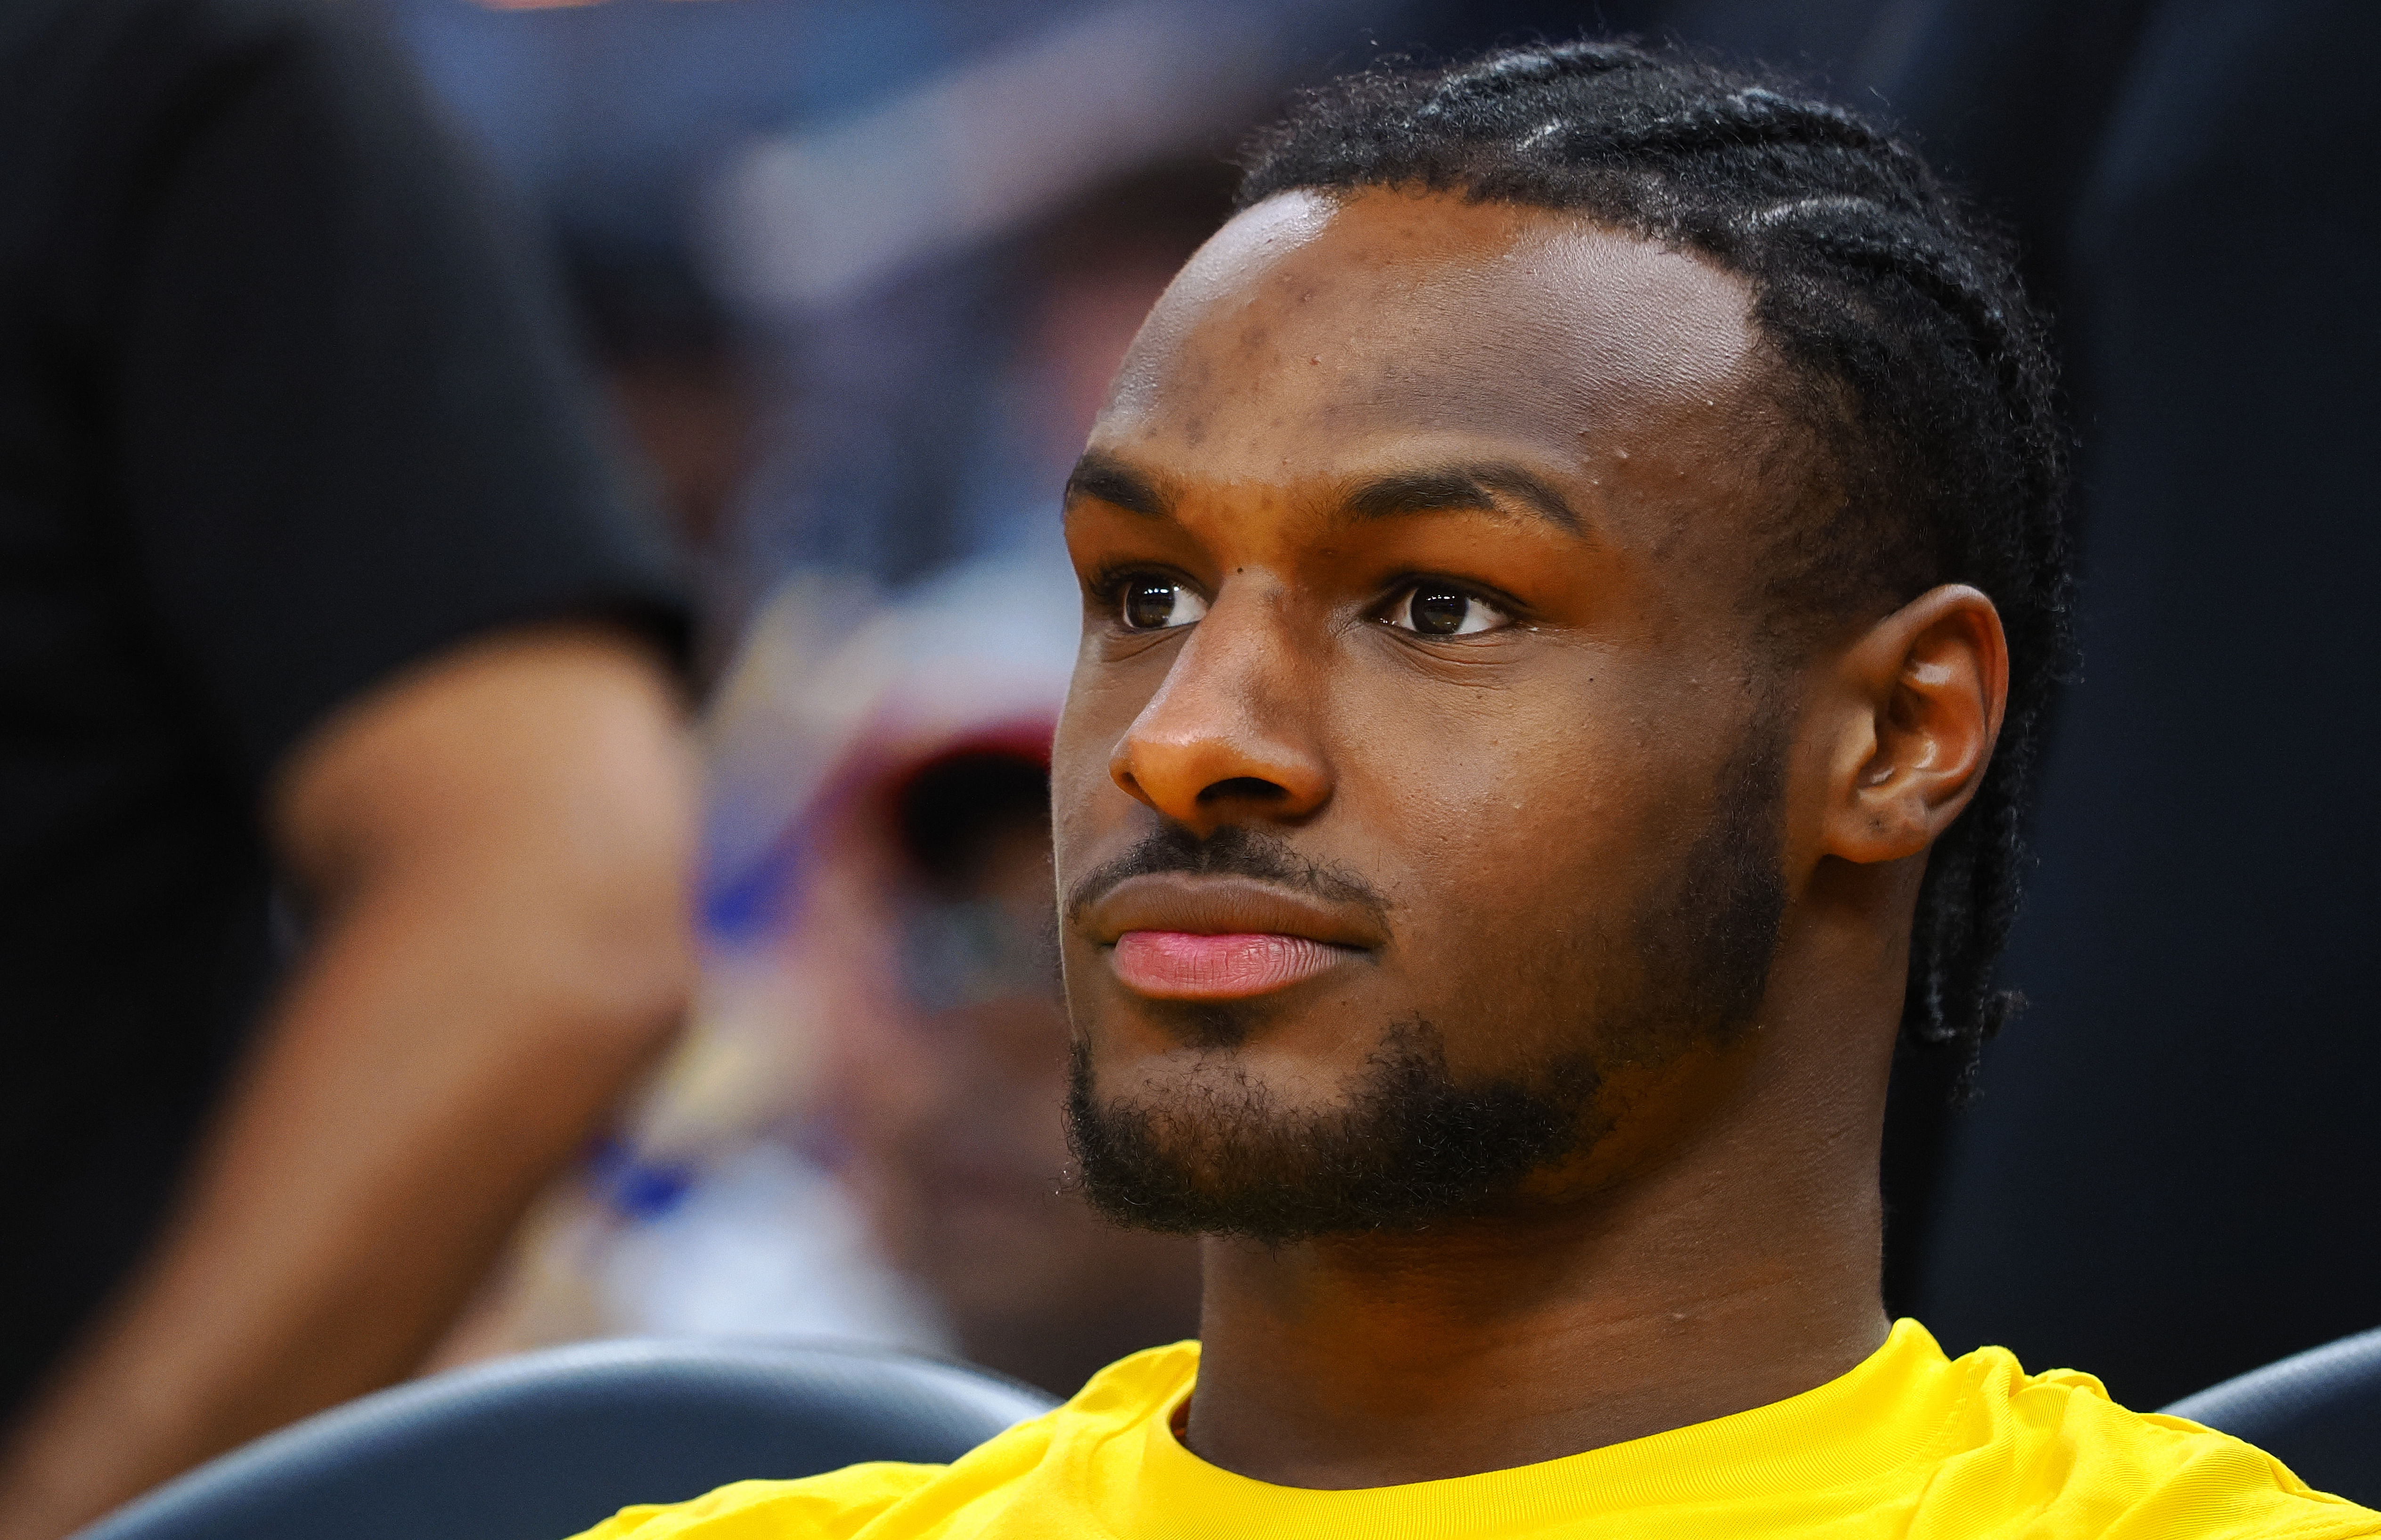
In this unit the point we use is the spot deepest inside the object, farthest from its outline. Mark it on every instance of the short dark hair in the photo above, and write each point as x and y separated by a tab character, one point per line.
1910	350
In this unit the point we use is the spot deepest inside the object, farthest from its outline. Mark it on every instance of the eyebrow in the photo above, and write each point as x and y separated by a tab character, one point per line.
1444	489
1447	488
1112	481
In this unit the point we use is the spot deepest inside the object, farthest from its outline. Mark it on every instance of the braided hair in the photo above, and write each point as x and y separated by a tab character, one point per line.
1910	352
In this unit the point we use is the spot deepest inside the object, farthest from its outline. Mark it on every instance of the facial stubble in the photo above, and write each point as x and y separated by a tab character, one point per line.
1410	1142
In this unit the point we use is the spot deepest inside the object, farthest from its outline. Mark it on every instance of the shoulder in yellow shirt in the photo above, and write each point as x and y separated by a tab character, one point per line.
1909	1444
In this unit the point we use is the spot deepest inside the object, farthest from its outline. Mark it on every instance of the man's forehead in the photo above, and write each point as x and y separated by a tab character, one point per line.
1381	314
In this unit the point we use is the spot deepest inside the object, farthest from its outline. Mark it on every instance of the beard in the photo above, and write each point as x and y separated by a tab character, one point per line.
1409	1144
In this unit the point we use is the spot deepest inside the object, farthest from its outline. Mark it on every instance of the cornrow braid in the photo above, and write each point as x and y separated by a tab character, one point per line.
1915	357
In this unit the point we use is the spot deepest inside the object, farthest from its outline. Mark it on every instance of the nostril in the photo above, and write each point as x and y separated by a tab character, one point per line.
1249	789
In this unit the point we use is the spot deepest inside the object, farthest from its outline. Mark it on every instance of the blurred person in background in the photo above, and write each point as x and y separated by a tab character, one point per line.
313	582
951	1109
859	1136
678	371
842	1146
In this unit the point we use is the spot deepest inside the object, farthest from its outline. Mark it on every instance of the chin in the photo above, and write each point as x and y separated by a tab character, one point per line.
1214	1149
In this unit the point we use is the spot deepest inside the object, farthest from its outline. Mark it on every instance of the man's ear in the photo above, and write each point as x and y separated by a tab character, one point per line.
1921	693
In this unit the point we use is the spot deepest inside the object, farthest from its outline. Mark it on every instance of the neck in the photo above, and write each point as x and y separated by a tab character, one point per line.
1738	1269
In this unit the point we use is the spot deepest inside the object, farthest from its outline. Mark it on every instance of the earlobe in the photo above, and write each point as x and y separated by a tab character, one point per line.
1925	689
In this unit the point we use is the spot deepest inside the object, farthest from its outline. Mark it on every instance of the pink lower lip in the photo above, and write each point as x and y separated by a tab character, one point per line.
1180	965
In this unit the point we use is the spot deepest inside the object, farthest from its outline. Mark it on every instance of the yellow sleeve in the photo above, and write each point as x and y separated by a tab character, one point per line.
831	1507
2209	1484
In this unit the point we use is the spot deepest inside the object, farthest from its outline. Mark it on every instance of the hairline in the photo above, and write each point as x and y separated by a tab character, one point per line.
1814	429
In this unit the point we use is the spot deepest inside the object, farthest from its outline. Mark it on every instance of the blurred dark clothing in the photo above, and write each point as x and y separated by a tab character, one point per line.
2172	1174
282	410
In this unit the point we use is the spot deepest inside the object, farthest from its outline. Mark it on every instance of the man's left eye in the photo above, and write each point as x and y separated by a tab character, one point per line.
1442	609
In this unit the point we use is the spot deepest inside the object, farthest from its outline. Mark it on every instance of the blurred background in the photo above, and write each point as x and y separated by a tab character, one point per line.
850	279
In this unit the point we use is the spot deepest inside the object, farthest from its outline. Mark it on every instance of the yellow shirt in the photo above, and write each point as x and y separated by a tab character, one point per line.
1908	1444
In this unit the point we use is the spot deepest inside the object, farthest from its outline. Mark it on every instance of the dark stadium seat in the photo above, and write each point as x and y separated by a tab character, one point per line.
2318	1413
540	1447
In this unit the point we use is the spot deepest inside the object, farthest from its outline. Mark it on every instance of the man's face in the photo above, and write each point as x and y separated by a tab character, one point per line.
1418	794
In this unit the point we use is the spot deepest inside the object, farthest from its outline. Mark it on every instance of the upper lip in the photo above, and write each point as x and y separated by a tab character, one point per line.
1226	906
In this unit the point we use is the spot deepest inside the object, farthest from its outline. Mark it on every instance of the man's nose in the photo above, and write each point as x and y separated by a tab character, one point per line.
1230	735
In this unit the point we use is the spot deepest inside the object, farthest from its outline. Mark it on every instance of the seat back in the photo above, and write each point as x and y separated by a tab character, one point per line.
540	1446
2318	1413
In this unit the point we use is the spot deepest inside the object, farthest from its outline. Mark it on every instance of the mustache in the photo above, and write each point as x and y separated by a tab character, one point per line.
1230	851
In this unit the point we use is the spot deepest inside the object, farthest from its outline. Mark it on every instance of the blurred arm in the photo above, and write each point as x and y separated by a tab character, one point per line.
494	847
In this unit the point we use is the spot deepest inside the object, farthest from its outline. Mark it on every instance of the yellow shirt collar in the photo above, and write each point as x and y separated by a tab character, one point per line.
1898	1408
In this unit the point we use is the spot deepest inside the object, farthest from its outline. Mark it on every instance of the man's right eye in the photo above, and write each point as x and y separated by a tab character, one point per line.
1155	604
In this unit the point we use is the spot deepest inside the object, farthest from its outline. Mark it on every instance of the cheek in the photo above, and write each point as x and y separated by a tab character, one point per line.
1521	812
1099	708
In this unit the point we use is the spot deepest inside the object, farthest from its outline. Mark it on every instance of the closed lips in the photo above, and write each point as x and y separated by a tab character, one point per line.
1180	937
1180	965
